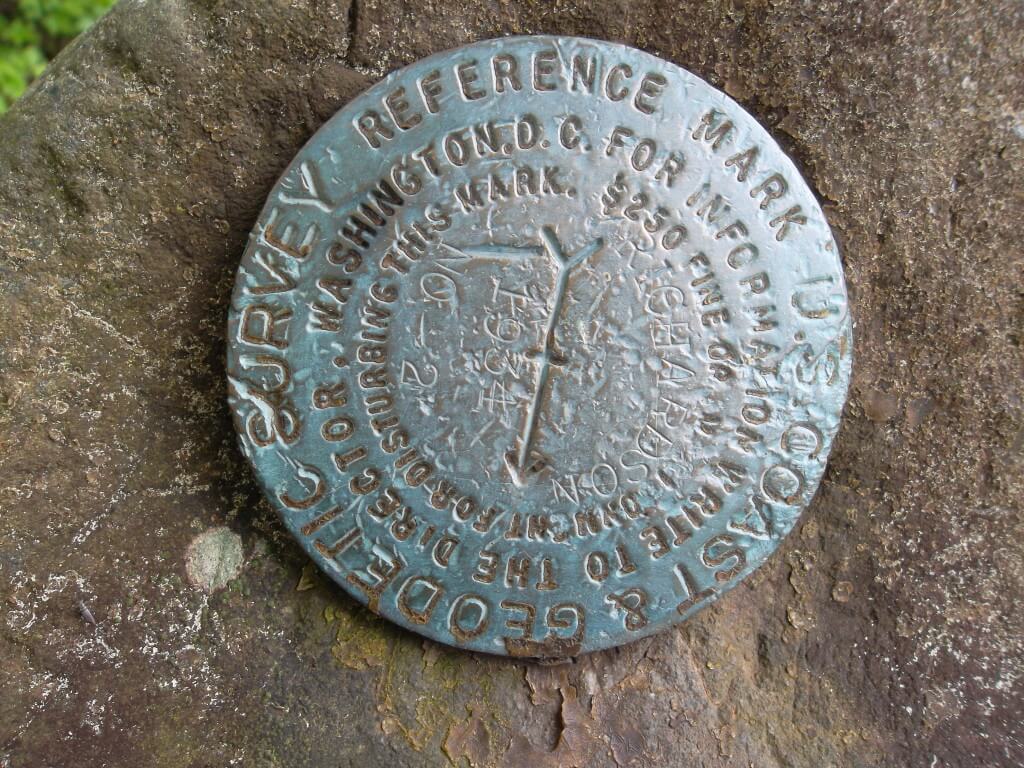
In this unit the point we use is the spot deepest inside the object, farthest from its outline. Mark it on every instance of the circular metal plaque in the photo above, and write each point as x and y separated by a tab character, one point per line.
539	346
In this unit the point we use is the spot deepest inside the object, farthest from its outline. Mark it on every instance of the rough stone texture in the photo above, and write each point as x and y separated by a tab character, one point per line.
886	631
214	558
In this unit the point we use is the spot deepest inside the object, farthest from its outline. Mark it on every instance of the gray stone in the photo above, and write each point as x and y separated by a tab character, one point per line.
214	558
130	176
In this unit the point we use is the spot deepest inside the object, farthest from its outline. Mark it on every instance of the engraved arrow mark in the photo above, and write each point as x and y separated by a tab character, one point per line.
549	355
516	461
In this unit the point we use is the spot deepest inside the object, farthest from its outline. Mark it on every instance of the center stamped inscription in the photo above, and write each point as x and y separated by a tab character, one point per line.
539	346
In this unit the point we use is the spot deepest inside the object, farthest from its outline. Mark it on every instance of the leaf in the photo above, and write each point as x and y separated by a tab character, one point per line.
32	25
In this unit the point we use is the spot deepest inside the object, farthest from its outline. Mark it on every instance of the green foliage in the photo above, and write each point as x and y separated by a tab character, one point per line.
32	32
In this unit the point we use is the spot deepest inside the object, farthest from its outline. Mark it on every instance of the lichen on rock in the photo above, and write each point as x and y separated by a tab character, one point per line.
214	558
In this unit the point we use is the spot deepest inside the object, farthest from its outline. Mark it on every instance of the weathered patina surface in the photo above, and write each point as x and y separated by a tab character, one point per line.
155	612
545	360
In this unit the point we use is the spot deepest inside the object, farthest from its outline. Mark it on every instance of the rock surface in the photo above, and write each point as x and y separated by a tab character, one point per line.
885	632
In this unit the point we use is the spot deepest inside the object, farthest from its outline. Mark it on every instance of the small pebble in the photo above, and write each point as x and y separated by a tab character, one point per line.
842	591
86	613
